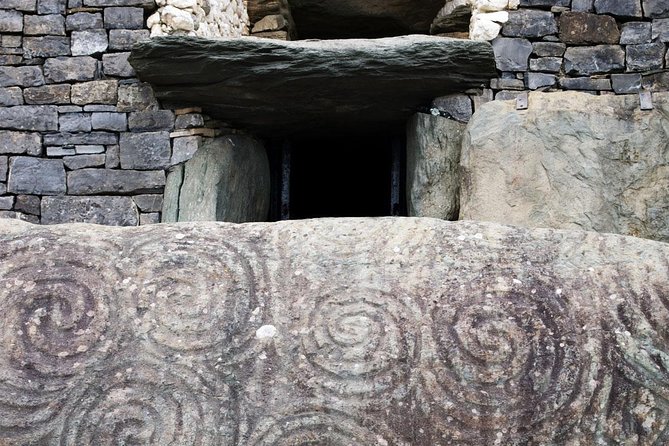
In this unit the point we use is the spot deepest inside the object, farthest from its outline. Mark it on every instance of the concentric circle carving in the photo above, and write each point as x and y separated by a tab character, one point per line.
360	341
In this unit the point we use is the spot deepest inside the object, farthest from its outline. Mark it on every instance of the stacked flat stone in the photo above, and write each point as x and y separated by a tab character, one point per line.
598	46
81	139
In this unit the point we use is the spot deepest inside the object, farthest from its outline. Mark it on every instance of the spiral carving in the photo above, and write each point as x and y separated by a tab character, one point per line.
195	297
143	403
323	428
59	319
361	341
507	359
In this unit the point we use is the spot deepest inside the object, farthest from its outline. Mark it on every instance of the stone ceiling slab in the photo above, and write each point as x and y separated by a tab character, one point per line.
275	87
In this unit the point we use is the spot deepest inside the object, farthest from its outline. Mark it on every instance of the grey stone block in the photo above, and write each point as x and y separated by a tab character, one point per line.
116	64
124	39
83	20
59	151
72	139
594	59
11	21
136	97
149	219
585	83
507	84
656	81
145	151
36	176
188	121
110	211
645	57
68	69
20	143
530	23
51	6
46	46
10	41
546	64
149	203
30	76
29	204
102	181
40	25
582	5
548	49
109	121
656	8
455	106
84	161
146	121
11	96
112	157
92	41
545	3
74	122
621	8
89	149
661	30
95	92
20	5
99	108
636	32
124	18
3	168
511	54
540	80
584	28
626	83
142	3
6	203
48	94
3	188
70	109
184	148
29	117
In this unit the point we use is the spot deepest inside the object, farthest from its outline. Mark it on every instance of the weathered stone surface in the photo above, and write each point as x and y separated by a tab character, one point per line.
29	76
228	179
142	3
19	143
636	32
334	331
11	21
124	18
535	81
455	106
102	181
149	203
660	30
21	5
582	28
546	64
110	211
433	157
3	168
95	92
48	94
29	204
87	42
151	120
29	117
175	178
645	57
74	122
512	54
184	148
109	121
271	86
83	20
36	176
622	8
592	162
656	8
116	64
124	39
70	139
11	96
51	6
37	25
548	49
594	59
46	46
325	19
145	151
84	161
626	83
64	69
530	23
136	97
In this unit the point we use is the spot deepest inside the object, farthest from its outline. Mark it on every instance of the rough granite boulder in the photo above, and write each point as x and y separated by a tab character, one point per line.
572	161
391	331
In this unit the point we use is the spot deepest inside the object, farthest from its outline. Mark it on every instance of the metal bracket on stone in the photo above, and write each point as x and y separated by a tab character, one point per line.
646	100
522	101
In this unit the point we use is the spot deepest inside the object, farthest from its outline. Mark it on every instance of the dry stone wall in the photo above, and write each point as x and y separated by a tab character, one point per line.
81	138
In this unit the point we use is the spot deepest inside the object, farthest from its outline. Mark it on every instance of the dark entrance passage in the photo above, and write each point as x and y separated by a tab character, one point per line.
338	176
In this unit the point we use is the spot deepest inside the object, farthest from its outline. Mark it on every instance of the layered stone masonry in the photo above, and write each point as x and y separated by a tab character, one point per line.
81	139
203	18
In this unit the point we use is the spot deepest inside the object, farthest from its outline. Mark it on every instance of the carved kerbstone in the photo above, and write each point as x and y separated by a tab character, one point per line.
335	331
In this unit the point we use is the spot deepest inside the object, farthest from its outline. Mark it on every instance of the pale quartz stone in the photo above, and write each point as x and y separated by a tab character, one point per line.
225	18
481	27
177	19
154	19
182	4
491	5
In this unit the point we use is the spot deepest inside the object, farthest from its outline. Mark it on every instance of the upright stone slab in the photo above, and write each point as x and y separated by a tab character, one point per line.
226	180
433	158
572	161
389	331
